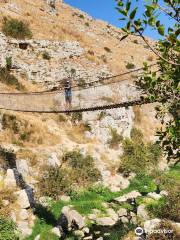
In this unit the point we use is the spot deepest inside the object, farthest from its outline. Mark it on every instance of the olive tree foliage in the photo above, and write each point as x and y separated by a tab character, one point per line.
160	86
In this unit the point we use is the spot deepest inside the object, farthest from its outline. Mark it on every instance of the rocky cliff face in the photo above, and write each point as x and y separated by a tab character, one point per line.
91	48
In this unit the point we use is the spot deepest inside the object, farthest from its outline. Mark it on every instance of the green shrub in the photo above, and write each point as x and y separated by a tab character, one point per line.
81	16
107	49
10	122
76	116
7	230
25	136
87	24
7	78
62	118
139	157
115	139
169	178
83	166
8	62
77	171
46	55
87	126
81	83
136	135
16	28
135	41
55	182
167	207
130	66
7	158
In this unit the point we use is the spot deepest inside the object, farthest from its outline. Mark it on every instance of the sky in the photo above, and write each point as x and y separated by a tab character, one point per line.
105	10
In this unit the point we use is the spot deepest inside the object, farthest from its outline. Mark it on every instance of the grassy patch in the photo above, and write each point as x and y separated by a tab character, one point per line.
6	194
143	184
85	201
46	55
7	229
16	28
41	227
130	66
170	178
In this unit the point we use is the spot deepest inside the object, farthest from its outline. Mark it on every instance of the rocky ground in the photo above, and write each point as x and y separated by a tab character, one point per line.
119	197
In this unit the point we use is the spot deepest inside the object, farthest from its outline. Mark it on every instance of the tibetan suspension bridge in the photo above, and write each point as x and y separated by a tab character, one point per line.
111	92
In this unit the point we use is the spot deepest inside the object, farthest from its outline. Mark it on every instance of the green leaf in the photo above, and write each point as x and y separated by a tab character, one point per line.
137	22
128	5
151	21
148	13
158	23
128	25
133	13
177	33
161	30
120	4
124	37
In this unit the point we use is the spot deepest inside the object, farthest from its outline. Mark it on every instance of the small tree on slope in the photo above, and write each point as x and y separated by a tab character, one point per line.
162	86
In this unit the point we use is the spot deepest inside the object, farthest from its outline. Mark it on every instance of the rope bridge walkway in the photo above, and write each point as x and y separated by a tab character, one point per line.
114	94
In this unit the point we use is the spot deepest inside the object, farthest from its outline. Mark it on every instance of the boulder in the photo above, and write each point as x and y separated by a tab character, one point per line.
72	217
164	193
79	234
5	202
53	160
124	219
112	214
92	216
105	221
24	228
65	198
86	230
154	195
56	231
22	167
13	216
122	212
176	225
37	237
10	179
23	214
142	213
150	225
22	199
128	196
